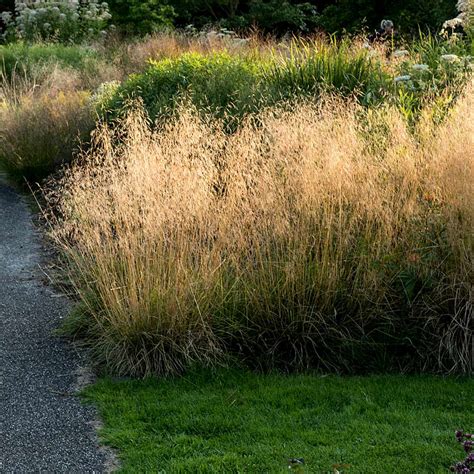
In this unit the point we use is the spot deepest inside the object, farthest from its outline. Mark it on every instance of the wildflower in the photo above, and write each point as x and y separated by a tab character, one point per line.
452	24
405	78
450	58
399	53
62	16
46	26
420	67
468	445
6	17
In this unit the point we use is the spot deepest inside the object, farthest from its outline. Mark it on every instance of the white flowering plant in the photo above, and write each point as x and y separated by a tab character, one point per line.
67	21
427	72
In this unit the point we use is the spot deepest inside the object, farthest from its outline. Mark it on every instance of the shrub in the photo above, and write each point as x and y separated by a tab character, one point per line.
233	86
219	83
141	16
310	69
408	16
69	21
281	16
319	237
41	132
135	56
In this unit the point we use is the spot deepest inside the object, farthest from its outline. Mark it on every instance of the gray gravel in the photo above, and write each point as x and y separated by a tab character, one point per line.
43	425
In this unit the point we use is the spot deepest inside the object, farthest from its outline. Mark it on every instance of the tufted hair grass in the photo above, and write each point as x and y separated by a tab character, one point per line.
316	237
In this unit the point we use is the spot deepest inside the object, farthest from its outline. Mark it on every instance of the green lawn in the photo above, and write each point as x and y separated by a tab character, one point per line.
236	421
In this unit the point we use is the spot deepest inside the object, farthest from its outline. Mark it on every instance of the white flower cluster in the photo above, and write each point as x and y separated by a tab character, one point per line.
223	35
466	11
66	20
400	53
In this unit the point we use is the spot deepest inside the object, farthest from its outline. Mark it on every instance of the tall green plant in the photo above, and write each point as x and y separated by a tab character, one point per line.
142	17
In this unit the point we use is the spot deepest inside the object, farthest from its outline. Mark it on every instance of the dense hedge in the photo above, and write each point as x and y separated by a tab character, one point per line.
280	16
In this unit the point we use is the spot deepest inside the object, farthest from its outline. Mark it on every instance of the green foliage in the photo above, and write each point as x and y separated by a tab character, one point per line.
232	86
270	16
422	14
57	21
278	17
442	70
408	16
307	71
218	83
236	421
142	16
28	58
274	15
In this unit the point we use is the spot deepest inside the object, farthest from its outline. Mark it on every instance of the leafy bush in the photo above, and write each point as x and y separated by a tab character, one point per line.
141	16
232	86
59	21
467	465
219	83
25	57
433	71
279	17
275	15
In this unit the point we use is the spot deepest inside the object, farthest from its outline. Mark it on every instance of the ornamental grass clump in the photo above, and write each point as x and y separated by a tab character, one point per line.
314	237
42	123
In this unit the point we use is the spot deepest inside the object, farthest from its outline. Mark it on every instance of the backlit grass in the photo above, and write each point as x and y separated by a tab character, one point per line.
320	237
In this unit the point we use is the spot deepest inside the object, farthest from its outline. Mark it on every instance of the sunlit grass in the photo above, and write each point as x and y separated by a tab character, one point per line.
233	421
317	237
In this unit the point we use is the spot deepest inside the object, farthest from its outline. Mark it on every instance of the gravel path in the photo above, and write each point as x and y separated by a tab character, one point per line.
43	426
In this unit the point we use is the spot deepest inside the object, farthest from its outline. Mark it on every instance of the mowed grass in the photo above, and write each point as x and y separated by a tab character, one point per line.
238	421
